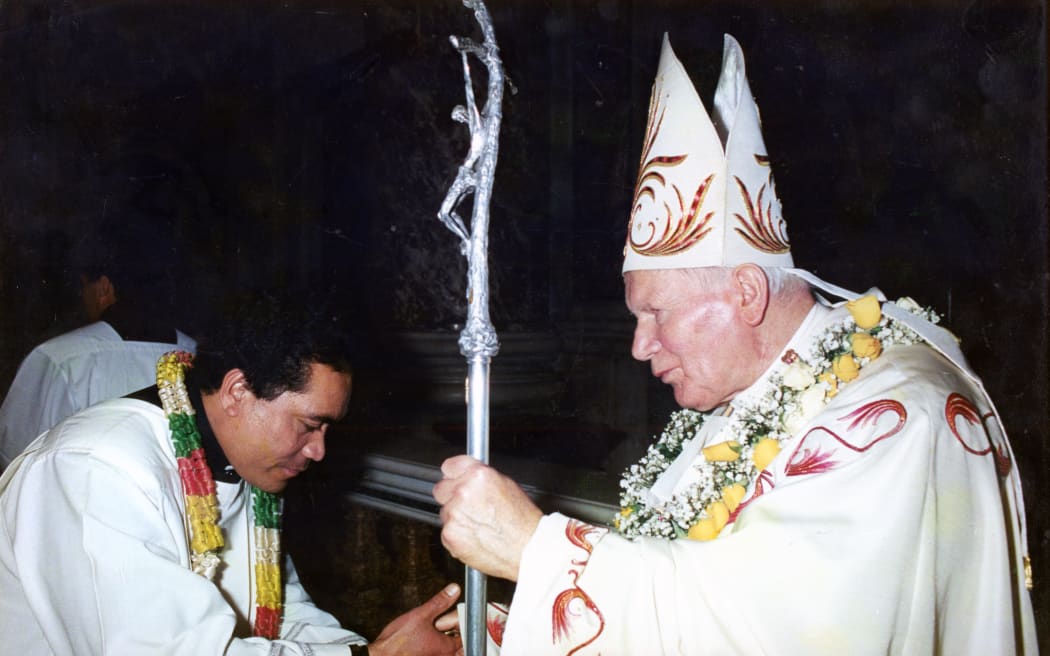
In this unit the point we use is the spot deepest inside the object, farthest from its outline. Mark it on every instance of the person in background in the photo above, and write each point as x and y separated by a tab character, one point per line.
837	482
126	275
152	524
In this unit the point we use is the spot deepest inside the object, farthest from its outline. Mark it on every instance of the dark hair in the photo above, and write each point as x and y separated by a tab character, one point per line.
136	252
273	340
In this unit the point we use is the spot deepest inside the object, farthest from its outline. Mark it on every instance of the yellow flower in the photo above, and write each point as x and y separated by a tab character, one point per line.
717	517
865	311
832	382
865	346
727	451
703	530
766	449
845	367
709	527
733	495
718	511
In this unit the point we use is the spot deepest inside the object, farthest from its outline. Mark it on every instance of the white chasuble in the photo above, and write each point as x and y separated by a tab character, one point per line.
95	557
887	524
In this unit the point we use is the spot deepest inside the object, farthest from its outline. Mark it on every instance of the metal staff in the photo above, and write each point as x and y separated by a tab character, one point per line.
477	341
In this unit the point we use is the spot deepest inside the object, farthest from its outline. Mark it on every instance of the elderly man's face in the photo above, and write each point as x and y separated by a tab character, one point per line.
691	335
274	441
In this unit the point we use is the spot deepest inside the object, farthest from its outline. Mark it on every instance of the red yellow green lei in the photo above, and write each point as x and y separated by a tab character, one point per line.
202	506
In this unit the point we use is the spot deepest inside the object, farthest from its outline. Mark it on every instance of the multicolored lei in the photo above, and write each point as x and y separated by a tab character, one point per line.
202	506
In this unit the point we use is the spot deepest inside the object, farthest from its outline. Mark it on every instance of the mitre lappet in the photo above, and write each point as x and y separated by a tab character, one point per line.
705	195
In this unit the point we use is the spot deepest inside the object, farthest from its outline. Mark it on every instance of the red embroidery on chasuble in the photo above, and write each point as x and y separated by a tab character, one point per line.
566	609
958	406
806	461
497	624
579	533
818	459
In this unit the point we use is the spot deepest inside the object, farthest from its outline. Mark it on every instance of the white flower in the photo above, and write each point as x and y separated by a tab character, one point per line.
793	420
799	375
812	400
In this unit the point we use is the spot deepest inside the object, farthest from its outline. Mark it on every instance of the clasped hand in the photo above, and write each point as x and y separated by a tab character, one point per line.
429	629
487	518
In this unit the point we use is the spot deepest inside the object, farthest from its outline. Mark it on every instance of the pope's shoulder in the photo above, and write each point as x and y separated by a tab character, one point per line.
906	371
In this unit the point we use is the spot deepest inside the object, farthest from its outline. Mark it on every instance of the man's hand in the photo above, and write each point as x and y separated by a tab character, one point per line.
424	630
487	517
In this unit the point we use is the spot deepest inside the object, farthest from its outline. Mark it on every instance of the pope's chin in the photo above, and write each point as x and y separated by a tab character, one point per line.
691	402
680	395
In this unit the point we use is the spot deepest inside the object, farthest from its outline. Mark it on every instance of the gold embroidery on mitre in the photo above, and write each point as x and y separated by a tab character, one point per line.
758	228
689	227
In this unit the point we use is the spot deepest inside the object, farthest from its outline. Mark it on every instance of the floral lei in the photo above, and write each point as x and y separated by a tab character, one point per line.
202	506
755	431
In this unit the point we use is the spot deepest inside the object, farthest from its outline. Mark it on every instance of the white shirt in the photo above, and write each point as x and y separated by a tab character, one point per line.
70	372
95	556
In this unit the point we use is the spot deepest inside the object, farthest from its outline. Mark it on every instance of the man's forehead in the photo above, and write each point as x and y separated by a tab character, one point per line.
323	381
324	376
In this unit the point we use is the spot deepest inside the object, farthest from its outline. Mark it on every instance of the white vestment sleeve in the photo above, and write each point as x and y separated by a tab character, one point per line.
302	621
39	397
890	535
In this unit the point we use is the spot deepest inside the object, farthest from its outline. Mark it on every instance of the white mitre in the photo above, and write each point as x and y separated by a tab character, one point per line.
705	193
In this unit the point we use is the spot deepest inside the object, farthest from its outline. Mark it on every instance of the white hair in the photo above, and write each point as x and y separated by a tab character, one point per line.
780	280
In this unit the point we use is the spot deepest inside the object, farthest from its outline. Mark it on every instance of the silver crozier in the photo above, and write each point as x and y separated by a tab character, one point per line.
477	341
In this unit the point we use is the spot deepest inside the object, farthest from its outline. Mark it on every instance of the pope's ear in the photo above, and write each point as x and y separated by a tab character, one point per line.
753	286
234	392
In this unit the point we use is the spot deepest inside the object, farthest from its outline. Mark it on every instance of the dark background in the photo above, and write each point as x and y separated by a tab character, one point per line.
308	145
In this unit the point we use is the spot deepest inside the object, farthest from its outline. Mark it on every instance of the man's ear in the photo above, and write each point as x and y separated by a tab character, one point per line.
234	392
753	286
104	291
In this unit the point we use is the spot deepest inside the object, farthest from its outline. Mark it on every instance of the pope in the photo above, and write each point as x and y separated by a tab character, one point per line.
837	481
